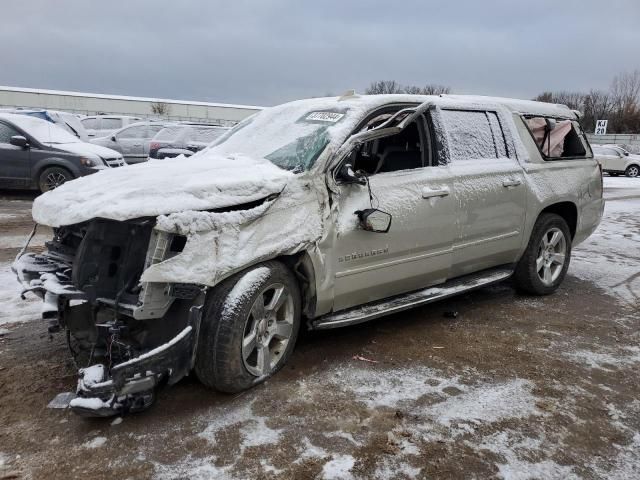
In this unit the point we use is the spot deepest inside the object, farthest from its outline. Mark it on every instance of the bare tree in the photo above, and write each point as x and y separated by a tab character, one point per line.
625	95
433	89
412	90
383	86
160	108
391	86
573	100
597	105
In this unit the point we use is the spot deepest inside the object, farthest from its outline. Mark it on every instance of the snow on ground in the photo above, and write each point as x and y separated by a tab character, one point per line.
18	241
12	309
618	236
96	442
444	408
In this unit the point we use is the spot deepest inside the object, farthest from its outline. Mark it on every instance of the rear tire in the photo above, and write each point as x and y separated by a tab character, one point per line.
249	327
544	263
53	177
632	171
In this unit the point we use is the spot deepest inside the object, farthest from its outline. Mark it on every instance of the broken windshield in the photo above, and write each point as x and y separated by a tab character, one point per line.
291	136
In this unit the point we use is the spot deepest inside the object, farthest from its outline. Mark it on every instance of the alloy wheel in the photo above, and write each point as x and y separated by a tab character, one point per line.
268	329
633	171
552	253
54	180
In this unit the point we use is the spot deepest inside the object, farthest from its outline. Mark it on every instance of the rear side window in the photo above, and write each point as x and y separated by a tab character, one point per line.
556	138
110	123
90	123
203	135
168	134
6	132
154	129
139	131
473	134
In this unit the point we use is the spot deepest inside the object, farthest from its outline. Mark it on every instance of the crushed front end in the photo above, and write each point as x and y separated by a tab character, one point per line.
126	336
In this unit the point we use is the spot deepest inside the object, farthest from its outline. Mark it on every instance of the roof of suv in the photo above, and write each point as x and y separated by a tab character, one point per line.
526	107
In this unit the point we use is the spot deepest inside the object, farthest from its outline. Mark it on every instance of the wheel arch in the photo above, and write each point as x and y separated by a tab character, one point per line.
568	211
301	265
42	165
632	164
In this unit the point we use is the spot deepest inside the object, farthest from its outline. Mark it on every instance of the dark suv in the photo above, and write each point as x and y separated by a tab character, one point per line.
38	154
183	139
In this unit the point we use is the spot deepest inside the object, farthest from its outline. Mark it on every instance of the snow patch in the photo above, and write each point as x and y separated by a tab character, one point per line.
516	452
12	308
97	442
339	468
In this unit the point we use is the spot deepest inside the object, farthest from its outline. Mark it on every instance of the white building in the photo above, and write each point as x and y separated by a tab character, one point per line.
93	103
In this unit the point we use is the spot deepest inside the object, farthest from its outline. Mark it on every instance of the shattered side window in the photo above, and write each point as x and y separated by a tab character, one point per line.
556	138
302	153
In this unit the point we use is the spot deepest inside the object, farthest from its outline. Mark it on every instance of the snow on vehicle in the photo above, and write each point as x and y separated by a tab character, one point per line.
330	211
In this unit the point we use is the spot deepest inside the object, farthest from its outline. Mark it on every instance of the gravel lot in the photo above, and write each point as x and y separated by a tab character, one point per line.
513	387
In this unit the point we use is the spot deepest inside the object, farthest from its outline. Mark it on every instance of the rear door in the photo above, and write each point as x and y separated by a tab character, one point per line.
131	143
15	162
488	189
416	251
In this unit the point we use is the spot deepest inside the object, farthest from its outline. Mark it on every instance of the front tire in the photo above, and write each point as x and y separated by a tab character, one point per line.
544	264
632	171
53	177
249	328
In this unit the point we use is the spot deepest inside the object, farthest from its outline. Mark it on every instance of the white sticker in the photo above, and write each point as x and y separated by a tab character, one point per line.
331	117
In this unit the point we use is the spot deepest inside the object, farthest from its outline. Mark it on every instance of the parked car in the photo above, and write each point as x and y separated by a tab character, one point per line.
183	139
616	160
104	125
68	121
37	154
132	141
323	213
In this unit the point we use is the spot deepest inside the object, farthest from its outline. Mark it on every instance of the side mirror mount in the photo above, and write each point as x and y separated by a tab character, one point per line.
347	175
113	138
19	141
374	220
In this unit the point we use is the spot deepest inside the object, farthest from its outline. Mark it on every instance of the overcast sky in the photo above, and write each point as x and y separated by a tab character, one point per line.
265	52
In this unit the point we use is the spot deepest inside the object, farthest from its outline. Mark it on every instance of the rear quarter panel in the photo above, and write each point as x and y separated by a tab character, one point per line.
553	181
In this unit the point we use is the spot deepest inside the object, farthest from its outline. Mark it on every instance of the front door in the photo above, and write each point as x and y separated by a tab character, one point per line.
416	251
15	162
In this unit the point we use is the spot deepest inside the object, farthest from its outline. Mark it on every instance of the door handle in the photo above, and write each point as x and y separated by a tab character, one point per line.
428	193
511	183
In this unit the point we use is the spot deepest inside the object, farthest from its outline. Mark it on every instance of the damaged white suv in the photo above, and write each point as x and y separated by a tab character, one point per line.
328	211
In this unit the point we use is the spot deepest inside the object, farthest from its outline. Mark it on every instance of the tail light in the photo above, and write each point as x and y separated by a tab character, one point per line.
154	146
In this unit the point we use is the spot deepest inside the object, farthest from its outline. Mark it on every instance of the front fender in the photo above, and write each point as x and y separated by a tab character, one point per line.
221	244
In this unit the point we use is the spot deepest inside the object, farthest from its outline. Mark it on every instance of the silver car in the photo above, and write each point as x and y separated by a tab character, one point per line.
616	160
132	141
318	213
103	125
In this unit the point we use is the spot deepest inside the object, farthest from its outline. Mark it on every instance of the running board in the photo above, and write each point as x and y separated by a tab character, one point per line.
406	301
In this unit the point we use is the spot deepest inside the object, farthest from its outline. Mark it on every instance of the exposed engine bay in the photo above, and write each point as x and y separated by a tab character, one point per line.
125	336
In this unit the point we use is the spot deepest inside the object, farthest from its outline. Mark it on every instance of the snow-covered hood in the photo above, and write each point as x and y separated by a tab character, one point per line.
84	148
160	187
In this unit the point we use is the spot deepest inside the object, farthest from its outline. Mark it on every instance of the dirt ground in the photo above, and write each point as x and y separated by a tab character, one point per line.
513	387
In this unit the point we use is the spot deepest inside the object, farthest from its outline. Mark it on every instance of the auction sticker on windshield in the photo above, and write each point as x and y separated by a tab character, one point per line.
331	117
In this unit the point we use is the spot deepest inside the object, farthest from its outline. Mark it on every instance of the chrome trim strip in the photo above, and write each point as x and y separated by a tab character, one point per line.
391	263
485	240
